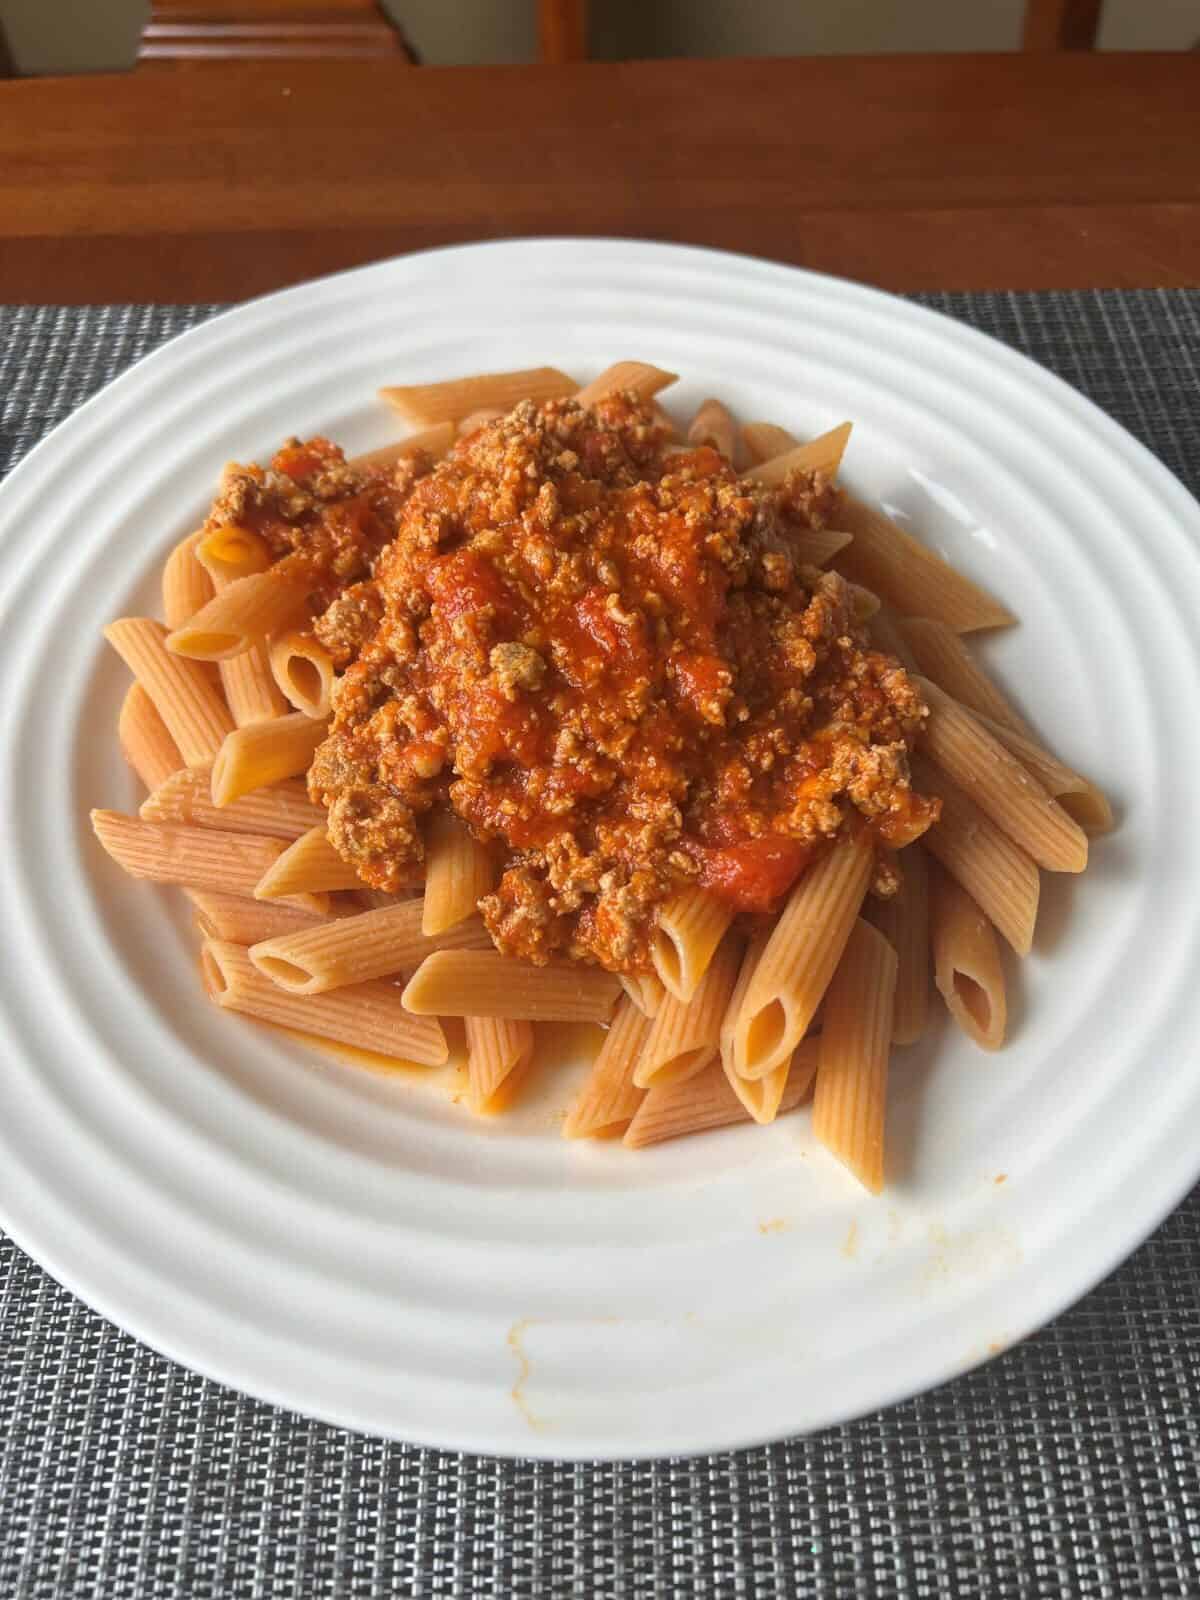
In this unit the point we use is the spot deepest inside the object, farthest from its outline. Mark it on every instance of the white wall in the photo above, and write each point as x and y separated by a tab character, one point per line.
72	35
98	35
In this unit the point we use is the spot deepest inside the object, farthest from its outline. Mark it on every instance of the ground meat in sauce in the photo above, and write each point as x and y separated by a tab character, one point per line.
311	507
606	659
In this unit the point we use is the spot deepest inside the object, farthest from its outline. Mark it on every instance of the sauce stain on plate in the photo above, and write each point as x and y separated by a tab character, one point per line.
572	1338
975	1252
774	1225
515	1341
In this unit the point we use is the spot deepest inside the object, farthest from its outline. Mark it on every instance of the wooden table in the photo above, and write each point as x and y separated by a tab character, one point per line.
913	172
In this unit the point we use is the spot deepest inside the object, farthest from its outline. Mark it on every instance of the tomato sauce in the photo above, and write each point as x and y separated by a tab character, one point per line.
607	659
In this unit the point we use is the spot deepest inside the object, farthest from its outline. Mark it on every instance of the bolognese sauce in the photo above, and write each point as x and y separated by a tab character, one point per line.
602	653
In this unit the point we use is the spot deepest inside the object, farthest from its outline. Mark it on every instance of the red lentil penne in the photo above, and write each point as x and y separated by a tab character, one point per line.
483	983
850	1099
372	944
458	873
609	1098
368	1016
823	455
801	955
424	404
690	927
966	963
706	1101
184	695
145	741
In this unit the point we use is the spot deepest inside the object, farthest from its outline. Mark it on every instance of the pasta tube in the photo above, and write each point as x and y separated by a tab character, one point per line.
372	944
145	742
184	695
999	785
368	1016
497	1047
706	1101
966	962
690	927
483	983
686	1034
426	403
610	1097
458	873
850	1098
999	876
802	952
907	576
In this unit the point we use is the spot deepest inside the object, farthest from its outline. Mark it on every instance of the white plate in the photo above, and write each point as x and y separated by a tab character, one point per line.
358	1248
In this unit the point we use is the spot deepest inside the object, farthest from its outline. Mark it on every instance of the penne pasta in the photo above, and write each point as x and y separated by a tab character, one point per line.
198	858
944	656
816	547
850	1099
458	873
246	612
483	983
281	812
761	1097
713	425
434	441
864	602
368	1016
251	692
262	754
380	899
994	870
478	419
706	1102
496	1048
625	377
904	922
690	927
309	865
610	1097
355	949
802	952
664	420
645	989
1082	800
823	455
244	921
145	742
232	701
686	1034
302	669
886	635
909	577
184	696
230	552
426	403
999	785
766	439
966	963
186	586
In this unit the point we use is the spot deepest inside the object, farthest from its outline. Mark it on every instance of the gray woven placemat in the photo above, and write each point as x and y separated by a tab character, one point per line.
1068	1467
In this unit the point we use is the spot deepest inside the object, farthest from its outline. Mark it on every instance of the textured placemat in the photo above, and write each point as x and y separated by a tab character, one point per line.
1067	1467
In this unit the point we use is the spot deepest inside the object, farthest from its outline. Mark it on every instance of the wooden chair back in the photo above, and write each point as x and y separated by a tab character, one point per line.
1061	24
1049	25
224	30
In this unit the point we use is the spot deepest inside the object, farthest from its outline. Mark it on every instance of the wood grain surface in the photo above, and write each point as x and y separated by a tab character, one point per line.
912	172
